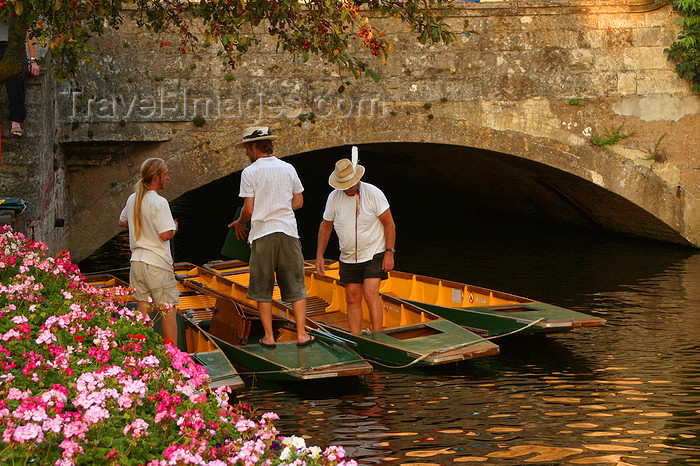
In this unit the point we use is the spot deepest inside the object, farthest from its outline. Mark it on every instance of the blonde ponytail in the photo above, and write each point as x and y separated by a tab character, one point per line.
149	168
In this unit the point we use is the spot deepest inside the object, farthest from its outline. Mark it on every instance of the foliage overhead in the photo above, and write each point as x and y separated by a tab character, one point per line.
685	51
327	28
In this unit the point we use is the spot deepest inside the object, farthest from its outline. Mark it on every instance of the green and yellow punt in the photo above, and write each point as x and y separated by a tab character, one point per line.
481	310
191	338
235	325
411	335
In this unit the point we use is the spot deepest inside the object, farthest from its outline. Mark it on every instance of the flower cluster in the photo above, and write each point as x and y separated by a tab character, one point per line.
84	380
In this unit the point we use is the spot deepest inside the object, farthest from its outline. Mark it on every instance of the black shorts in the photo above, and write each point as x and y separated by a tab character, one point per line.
357	273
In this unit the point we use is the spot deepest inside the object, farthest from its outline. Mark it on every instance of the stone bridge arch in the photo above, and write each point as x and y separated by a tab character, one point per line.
584	187
524	96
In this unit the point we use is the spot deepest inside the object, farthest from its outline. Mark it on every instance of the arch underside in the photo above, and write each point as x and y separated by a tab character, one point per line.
483	181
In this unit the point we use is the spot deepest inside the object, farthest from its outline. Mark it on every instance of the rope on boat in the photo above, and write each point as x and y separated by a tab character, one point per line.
462	345
121	269
518	330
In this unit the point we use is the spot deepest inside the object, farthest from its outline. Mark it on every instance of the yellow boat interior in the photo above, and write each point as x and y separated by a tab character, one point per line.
326	303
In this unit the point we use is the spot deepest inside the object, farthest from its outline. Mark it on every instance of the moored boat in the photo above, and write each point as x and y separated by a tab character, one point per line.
481	310
191	338
235	326
410	335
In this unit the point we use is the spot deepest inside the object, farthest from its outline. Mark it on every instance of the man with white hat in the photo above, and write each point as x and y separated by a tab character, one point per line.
359	212
272	191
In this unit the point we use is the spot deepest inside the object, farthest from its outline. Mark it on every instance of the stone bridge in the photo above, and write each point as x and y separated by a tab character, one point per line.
517	105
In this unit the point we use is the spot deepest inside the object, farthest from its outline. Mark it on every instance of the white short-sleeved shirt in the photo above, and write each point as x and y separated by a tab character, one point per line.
156	218
272	183
341	209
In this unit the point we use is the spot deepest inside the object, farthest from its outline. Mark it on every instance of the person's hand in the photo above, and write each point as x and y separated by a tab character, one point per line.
388	262
320	265
240	229
33	68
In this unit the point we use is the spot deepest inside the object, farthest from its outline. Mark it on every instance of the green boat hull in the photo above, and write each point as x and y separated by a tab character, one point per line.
437	342
289	362
527	318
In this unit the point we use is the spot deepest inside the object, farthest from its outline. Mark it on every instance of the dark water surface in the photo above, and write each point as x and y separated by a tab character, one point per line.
627	393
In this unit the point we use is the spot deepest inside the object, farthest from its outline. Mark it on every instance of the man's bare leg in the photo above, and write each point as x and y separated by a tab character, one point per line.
353	298
370	290
168	324
299	308
265	310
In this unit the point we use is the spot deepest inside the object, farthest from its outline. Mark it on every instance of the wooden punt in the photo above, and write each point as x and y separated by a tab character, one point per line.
235	325
481	310
411	335
191	338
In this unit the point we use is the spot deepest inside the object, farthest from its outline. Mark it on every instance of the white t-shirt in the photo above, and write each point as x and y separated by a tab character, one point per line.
341	209
272	183
155	219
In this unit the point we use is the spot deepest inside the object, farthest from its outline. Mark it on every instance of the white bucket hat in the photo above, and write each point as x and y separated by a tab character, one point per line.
347	173
255	133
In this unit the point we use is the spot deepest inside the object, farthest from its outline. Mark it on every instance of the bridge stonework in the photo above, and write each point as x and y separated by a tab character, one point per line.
533	87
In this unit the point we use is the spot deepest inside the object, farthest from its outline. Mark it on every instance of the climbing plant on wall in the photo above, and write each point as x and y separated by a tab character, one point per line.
685	51
330	29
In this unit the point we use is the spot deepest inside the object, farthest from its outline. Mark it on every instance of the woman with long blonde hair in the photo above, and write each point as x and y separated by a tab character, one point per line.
151	227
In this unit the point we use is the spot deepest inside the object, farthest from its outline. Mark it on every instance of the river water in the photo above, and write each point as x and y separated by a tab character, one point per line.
626	393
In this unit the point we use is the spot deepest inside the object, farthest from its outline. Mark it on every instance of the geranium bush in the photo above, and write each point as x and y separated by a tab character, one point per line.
85	380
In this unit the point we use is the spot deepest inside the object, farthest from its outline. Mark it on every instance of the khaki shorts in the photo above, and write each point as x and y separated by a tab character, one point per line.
278	254
155	282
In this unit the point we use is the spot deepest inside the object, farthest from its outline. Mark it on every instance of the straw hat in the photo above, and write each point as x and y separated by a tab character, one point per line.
255	133
346	174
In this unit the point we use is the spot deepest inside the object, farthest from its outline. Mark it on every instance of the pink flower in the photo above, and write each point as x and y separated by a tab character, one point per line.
46	337
138	428
71	448
244	425
28	432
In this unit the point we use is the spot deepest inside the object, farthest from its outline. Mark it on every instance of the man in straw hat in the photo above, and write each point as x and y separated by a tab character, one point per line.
272	191
360	215
151	227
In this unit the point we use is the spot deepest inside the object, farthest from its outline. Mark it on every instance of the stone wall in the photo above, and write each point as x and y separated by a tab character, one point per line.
32	167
